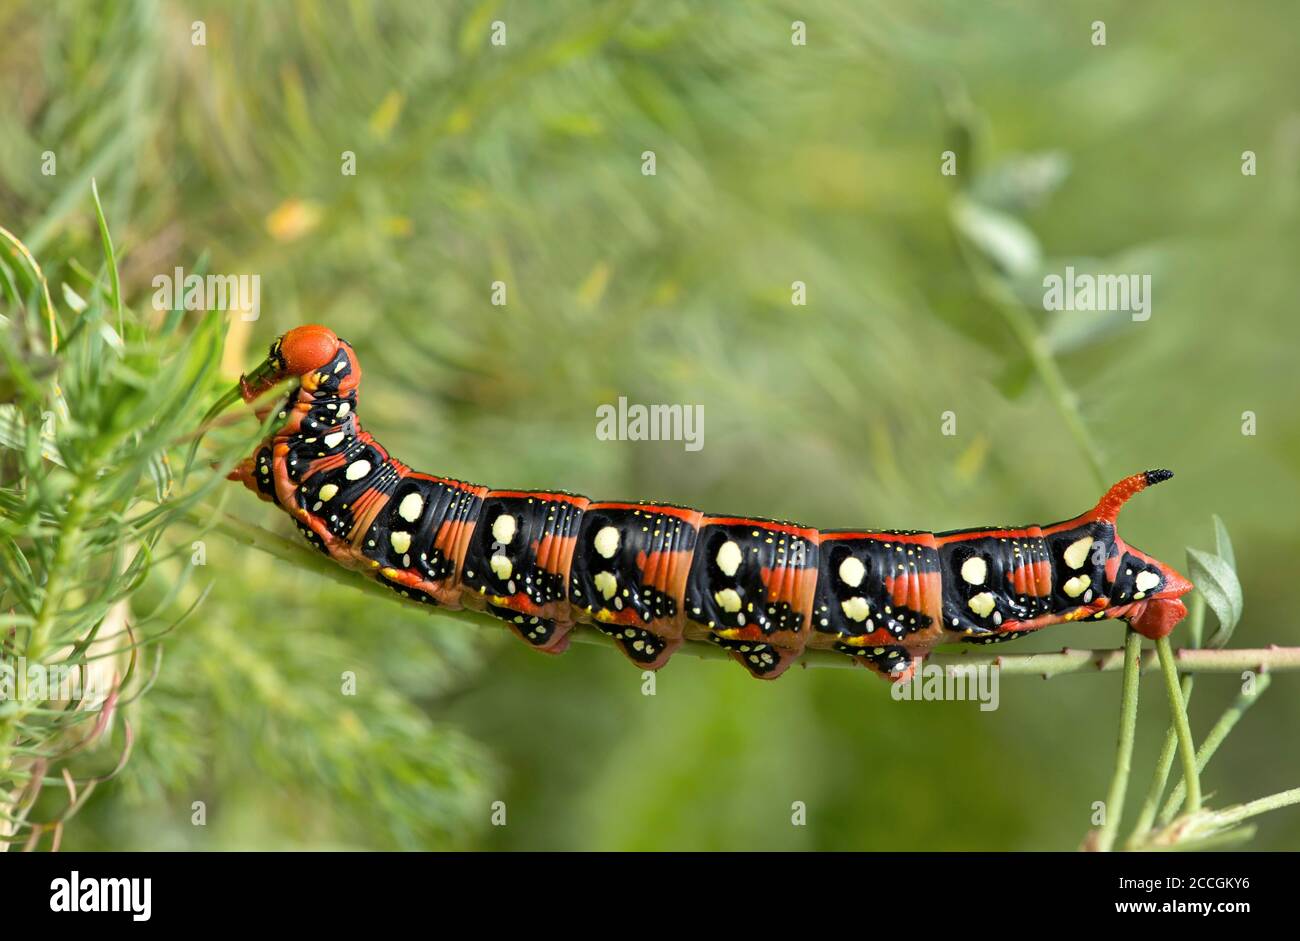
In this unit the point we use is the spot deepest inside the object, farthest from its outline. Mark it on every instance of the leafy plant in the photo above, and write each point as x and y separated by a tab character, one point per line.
98	404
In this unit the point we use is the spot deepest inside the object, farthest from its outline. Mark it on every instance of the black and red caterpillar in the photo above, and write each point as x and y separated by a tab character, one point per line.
653	575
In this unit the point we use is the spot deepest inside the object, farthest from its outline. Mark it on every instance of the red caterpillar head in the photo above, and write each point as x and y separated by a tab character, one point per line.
1155	609
301	351
305	348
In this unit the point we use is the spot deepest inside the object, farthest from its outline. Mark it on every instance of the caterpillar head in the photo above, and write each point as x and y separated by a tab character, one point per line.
302	351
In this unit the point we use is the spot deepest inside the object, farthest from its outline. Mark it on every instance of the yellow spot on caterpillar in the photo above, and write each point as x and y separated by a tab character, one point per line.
401	542
411	507
1077	585
501	566
1077	552
728	559
327	492
1146	581
503	529
982	604
728	600
606	584
607	542
852	571
856	609
357	469
974	570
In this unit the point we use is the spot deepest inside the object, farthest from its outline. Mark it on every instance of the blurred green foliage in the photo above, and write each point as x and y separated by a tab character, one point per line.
775	163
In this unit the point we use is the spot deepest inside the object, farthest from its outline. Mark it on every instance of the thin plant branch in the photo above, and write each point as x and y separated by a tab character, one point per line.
1212	741
1234	815
1105	837
1178	716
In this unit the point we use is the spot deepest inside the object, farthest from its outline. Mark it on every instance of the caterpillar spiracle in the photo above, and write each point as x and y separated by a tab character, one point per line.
652	575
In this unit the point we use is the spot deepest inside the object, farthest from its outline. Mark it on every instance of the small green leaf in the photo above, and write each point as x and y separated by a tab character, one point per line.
1222	544
73	299
1217	582
1006	242
1022	181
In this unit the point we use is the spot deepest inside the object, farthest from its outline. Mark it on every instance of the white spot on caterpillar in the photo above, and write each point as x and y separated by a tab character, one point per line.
344	409
357	469
974	570
855	609
1147	580
501	566
411	507
332	440
728	559
982	604
1077	585
852	571
997	617
727	599
327	492
607	542
503	529
606	584
401	542
1077	552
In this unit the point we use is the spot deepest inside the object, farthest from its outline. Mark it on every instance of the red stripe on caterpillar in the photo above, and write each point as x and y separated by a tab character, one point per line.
653	576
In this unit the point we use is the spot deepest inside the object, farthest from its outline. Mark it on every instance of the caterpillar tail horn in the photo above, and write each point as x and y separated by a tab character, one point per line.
1108	506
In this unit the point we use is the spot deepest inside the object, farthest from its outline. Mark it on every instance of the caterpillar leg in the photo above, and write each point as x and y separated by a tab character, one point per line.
997	637
763	661
538	632
257	473
891	661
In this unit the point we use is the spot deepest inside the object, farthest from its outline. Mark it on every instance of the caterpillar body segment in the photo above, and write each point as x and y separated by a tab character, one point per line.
629	573
652	576
517	562
880	597
750	590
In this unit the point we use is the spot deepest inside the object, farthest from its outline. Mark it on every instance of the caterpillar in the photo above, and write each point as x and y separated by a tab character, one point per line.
653	575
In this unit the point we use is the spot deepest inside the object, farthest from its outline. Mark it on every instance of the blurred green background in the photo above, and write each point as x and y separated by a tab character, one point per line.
775	163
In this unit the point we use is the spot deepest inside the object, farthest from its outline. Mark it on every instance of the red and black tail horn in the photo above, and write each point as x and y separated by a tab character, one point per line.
1108	506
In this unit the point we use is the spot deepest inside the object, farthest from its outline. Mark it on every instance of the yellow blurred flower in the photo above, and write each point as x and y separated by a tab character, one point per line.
293	219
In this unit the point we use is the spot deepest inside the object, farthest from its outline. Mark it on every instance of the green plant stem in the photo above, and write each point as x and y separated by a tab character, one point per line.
1151	806
1165	763
1058	390
1178	716
1212	741
1022	325
1234	815
38	641
1128	707
1071	661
